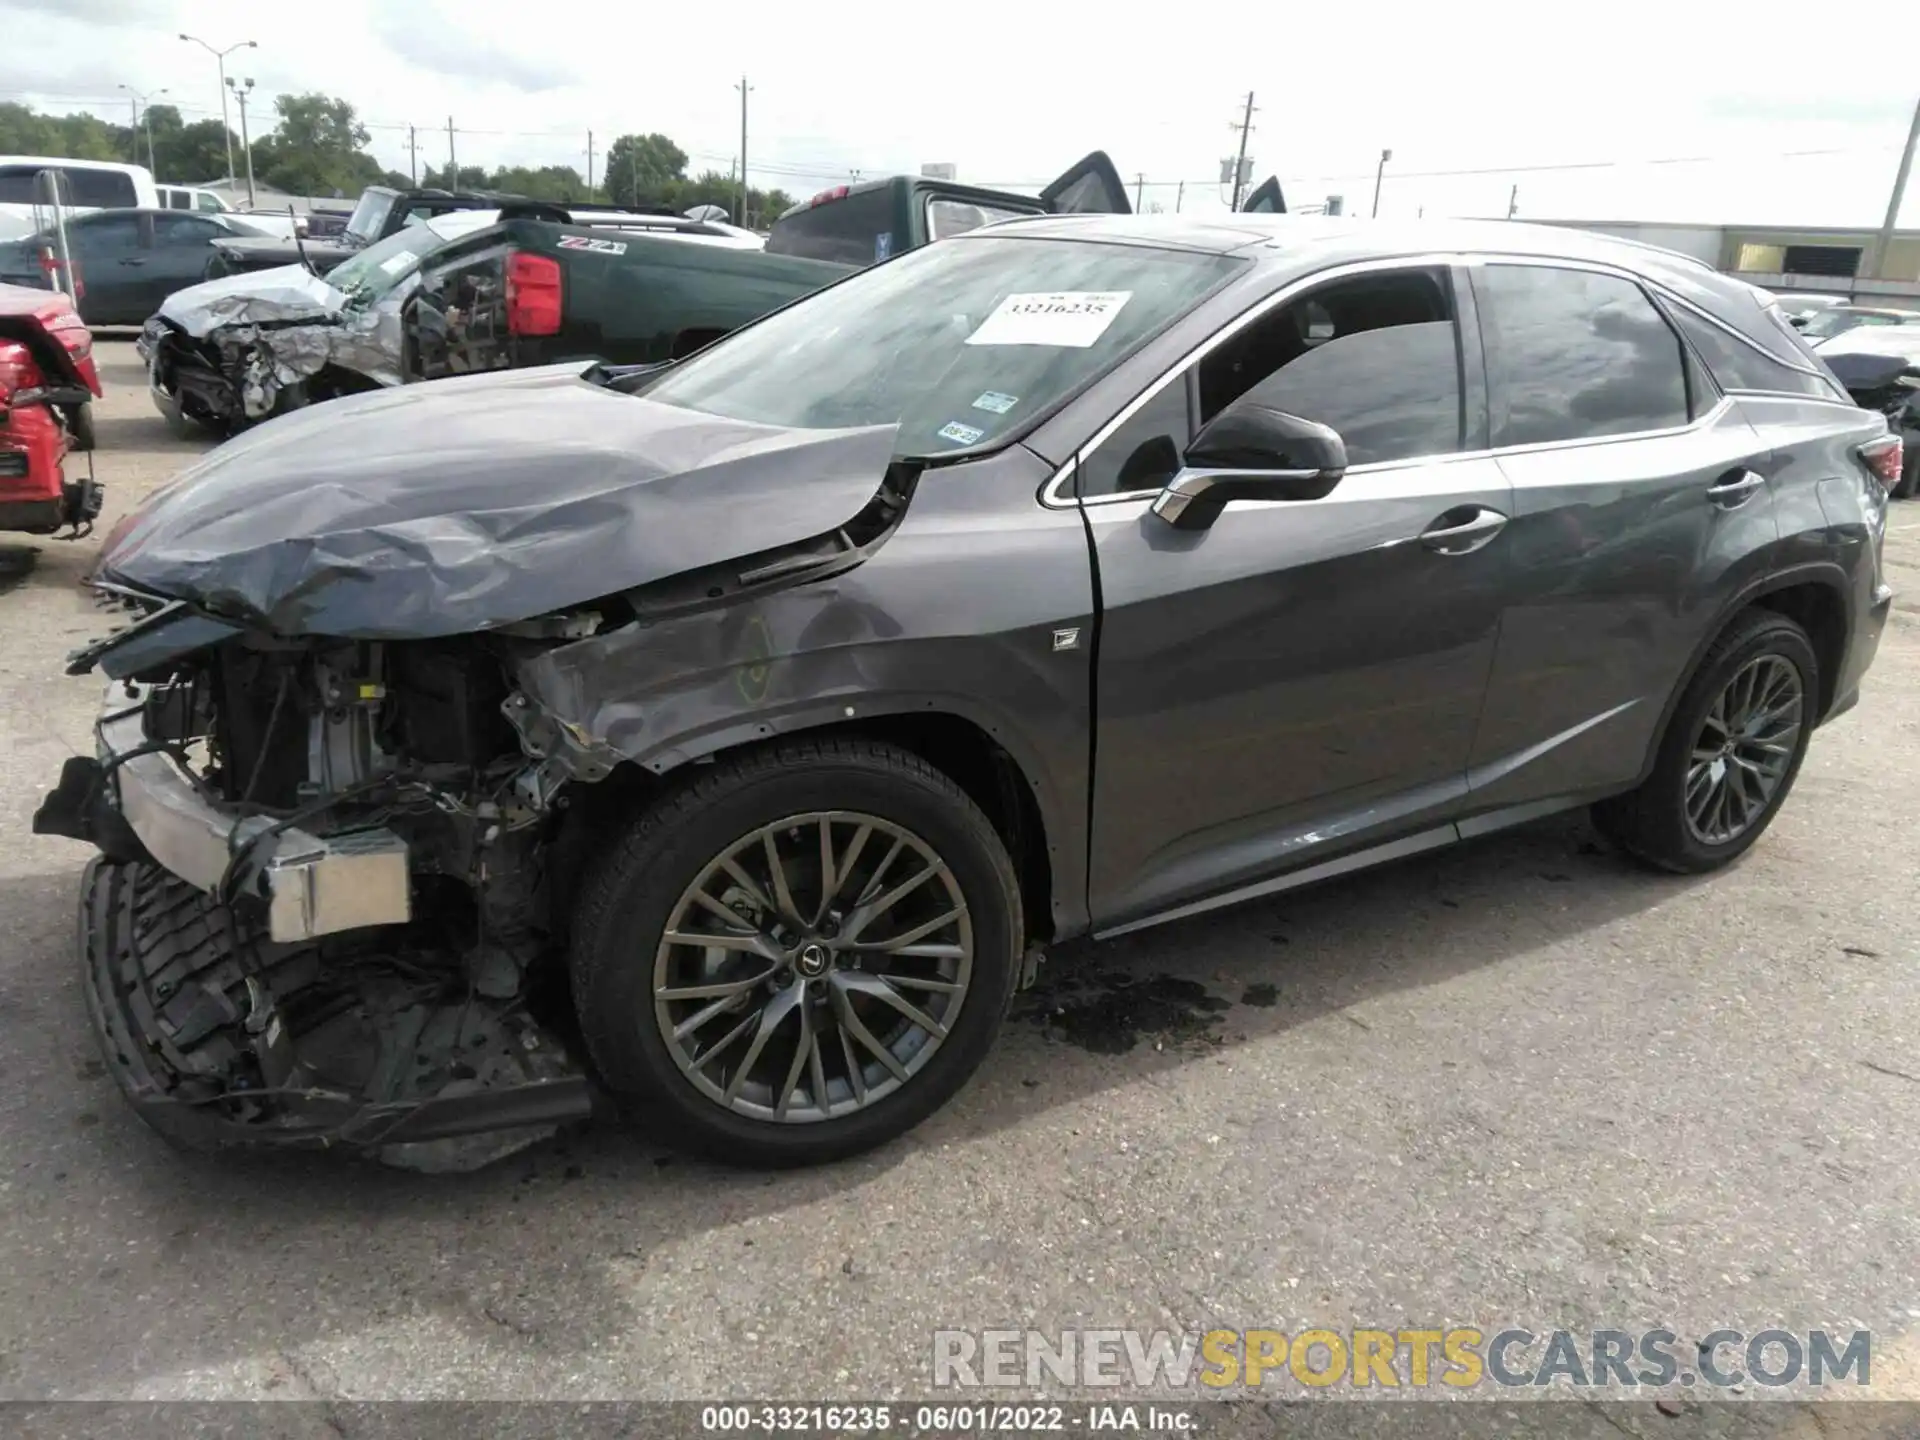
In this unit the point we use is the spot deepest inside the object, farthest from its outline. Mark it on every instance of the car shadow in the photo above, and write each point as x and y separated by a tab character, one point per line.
606	1197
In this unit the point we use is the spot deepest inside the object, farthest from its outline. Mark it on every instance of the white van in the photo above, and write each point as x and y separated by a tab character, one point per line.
90	185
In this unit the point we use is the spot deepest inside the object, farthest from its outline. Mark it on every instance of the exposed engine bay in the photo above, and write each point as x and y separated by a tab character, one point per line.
331	905
379	1037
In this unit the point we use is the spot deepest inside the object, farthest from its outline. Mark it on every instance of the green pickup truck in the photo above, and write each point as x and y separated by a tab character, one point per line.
463	292
875	220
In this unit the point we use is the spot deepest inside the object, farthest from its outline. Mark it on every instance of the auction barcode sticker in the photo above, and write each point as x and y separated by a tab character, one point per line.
1068	318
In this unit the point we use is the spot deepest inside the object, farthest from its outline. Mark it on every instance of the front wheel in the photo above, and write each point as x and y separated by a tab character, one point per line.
1730	753
799	956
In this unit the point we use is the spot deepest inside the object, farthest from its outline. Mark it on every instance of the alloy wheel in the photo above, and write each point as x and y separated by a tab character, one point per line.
1744	749
813	967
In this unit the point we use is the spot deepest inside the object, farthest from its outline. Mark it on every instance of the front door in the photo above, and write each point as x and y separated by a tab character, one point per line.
1090	186
1303	678
1636	489
110	251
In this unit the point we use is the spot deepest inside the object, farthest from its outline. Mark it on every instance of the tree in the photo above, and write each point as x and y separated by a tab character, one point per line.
316	148
194	154
641	169
464	177
545	182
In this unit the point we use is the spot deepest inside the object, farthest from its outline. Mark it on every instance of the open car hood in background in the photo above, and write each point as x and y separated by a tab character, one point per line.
471	503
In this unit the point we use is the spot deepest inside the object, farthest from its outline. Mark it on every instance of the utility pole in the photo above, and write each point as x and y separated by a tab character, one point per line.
453	165
1139	191
1378	176
1513	201
589	164
220	58
413	154
1240	164
240	92
744	89
1885	242
142	105
1178	196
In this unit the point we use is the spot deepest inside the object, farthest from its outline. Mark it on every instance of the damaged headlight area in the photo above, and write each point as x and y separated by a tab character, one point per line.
325	911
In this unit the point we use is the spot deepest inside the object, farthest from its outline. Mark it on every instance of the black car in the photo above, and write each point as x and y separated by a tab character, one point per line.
770	711
127	261
1881	370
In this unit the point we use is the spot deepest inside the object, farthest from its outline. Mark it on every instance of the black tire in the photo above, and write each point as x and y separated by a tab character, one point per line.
627	900
80	426
1650	823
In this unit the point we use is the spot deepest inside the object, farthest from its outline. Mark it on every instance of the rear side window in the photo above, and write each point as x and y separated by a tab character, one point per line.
98	189
1576	355
1738	365
948	216
856	229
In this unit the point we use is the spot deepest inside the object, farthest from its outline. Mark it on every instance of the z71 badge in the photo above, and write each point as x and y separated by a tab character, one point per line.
593	243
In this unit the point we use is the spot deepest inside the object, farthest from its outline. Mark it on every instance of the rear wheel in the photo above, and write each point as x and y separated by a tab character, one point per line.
799	956
1730	754
80	425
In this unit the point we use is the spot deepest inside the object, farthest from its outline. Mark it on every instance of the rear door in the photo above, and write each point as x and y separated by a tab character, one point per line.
1090	186
111	250
1641	501
1303	678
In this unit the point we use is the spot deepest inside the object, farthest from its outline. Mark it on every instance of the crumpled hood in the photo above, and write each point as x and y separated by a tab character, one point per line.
463	504
253	297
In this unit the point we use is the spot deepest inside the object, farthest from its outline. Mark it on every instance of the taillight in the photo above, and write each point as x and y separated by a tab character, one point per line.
1883	457
838	192
17	370
65	325
533	294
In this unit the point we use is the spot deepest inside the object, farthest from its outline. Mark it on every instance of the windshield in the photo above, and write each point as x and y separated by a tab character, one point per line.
368	274
369	217
960	342
1832	322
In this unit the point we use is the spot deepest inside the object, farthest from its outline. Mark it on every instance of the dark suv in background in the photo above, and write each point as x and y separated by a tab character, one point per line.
772	708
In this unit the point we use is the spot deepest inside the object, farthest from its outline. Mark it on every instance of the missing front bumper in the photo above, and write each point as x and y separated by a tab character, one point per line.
310	885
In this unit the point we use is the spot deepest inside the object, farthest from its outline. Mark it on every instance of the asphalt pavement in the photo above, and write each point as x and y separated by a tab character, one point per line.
1519	1083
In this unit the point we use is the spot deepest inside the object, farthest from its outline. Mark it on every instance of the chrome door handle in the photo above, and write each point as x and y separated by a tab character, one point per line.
1464	530
1736	489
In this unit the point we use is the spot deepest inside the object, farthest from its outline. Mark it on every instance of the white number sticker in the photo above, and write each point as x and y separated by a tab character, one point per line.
1070	318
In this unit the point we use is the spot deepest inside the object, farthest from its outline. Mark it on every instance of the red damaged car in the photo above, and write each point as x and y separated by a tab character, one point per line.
47	382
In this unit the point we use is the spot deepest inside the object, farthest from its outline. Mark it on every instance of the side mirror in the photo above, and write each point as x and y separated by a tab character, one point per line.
1251	452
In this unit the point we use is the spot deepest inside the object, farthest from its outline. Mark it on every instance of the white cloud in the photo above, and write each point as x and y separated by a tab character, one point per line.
1015	93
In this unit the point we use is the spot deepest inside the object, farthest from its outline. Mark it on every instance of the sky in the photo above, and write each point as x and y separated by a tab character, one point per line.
1679	112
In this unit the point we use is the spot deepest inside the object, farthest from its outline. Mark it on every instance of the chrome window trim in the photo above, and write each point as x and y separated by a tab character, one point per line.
1055	494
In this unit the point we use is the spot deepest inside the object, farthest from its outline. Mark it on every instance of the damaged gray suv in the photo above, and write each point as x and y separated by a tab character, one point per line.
730	737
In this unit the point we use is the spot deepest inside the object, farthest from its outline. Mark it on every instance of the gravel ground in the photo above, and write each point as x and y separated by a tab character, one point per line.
1520	1082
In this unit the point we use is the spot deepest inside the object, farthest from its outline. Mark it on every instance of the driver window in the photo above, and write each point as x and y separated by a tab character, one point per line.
1376	357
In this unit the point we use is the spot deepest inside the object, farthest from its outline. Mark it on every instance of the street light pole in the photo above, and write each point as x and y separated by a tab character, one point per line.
1378	176
142	115
246	144
1885	242
745	90
220	59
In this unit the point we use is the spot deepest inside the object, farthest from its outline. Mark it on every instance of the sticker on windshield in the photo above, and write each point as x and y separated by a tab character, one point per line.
1068	318
394	264
960	434
996	402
